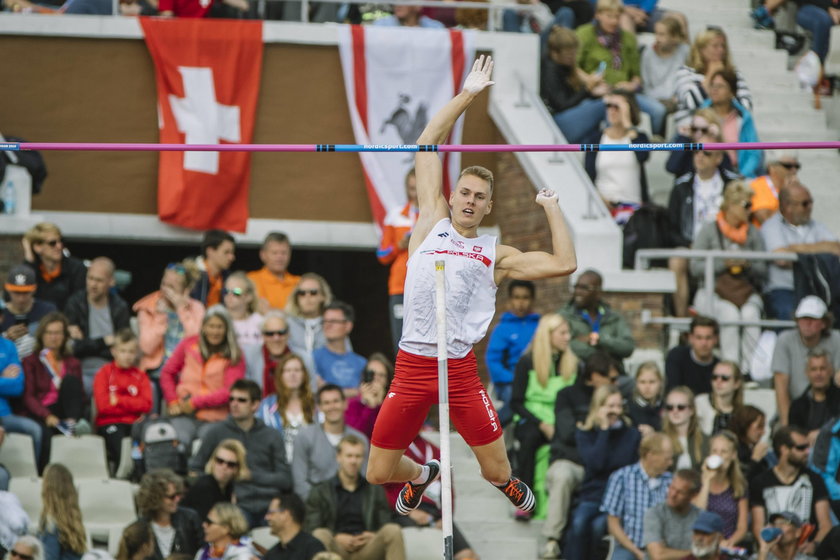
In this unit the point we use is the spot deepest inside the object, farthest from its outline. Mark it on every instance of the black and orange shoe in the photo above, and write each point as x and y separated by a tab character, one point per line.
519	494
411	494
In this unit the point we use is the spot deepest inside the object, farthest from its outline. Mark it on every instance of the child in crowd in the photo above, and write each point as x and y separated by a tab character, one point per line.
661	61
122	393
645	408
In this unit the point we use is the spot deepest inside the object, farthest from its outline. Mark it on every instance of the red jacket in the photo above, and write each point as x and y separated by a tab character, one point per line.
132	389
39	382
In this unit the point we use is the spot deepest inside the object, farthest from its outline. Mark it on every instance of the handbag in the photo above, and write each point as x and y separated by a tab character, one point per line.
735	288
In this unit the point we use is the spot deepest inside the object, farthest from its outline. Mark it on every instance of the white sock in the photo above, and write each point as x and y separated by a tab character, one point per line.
424	475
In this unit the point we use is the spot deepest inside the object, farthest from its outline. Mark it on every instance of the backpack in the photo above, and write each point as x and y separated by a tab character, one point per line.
160	447
647	228
32	160
825	457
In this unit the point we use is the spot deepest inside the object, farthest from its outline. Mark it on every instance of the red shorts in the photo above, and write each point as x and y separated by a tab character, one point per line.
415	389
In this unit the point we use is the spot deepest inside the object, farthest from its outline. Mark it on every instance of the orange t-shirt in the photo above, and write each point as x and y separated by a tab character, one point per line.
214	290
275	290
765	196
397	225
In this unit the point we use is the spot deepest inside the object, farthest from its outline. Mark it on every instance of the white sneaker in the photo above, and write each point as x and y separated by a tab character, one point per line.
551	550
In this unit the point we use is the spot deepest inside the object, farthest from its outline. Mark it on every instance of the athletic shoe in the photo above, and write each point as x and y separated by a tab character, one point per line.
412	494
762	18
551	550
522	516
519	494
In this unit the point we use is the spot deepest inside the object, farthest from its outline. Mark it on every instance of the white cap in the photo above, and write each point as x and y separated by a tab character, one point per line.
811	307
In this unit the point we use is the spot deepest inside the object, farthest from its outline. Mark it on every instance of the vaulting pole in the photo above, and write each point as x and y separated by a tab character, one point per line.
443	411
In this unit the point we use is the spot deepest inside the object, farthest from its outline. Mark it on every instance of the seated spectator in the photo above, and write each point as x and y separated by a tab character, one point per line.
266	452
508	342
137	542
122	394
667	525
645	408
792	230
95	315
661	61
363	409
59	276
738	282
706	537
273	282
606	442
60	526
632	490
682	427
351	516
692	364
196	8
227	466
790	355
694	201
786	546
830	547
168	315
595	326
223	527
241	302
643	15
218	251
22	312
603	41
314	456
790	486
12	379
540	374
704	121
565	471
820	402
304	314
335	362
782	169
26	547
53	394
408	16
571	95
738	125
709	53
197	378
724	489
14	524
285	516
291	406
177	530
716	409
619	176
539	19
261	361
748	425
818	17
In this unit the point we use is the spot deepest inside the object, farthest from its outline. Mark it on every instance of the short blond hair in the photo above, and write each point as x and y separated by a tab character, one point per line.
234	446
609	6
38	232
230	516
735	192
480	172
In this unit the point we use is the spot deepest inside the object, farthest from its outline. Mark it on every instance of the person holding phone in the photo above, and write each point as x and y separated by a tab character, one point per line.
23	310
363	409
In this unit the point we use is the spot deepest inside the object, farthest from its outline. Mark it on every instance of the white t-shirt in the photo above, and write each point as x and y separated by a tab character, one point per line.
249	330
165	537
707	198
617	173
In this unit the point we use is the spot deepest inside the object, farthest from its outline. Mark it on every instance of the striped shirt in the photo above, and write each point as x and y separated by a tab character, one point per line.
630	492
691	95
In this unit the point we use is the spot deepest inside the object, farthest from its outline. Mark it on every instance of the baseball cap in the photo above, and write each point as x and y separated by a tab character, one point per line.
708	522
788	515
811	307
21	279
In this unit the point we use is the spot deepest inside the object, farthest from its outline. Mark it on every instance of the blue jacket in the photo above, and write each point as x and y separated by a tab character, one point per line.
750	162
602	452
9	386
508	342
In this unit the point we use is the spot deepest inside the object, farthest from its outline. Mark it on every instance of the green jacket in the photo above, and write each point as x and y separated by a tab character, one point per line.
615	336
322	506
592	53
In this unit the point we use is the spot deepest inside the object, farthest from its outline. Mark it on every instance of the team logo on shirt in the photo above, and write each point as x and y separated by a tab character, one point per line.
458	243
444	234
476	248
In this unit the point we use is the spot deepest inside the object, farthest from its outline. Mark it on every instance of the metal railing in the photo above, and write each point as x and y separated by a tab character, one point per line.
644	256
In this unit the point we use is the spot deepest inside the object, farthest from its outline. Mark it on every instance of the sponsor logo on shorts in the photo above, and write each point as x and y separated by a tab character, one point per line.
491	413
391	395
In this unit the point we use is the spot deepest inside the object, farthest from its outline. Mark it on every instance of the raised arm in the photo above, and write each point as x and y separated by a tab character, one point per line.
533	265
431	203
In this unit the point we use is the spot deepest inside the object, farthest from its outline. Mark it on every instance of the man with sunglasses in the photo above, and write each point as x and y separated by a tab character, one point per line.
58	275
266	451
790	486
791	230
782	167
262	360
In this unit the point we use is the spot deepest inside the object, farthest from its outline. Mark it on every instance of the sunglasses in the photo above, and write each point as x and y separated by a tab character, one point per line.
228	464
52	242
670	407
611	106
178	268
700	129
803	204
15	554
174	496
790	166
208	521
239	399
721	377
308	292
707	153
747	204
334	321
238	292
613	379
270	334
802	447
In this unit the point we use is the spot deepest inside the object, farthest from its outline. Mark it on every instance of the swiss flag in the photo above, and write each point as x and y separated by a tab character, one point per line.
208	78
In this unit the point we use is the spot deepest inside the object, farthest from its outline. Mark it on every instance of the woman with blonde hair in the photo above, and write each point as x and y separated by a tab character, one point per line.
606	442
681	426
724	489
292	405
540	374
304	311
226	465
645	407
60	528
738	283
239	297
716	409
137	541
223	527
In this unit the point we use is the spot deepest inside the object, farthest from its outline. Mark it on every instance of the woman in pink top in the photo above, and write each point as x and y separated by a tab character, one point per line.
363	409
196	379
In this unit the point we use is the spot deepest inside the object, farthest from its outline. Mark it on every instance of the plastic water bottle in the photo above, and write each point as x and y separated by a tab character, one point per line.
9	198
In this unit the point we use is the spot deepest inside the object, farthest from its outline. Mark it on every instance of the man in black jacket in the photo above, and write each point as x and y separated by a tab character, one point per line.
95	315
566	472
285	517
821	400
349	515
59	276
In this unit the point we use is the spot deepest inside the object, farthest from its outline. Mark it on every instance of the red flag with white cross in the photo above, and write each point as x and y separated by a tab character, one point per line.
208	78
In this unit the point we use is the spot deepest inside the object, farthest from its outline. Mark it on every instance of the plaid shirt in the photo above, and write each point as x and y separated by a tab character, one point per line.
630	492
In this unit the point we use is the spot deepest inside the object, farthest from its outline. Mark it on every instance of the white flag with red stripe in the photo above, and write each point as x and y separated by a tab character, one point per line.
396	80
